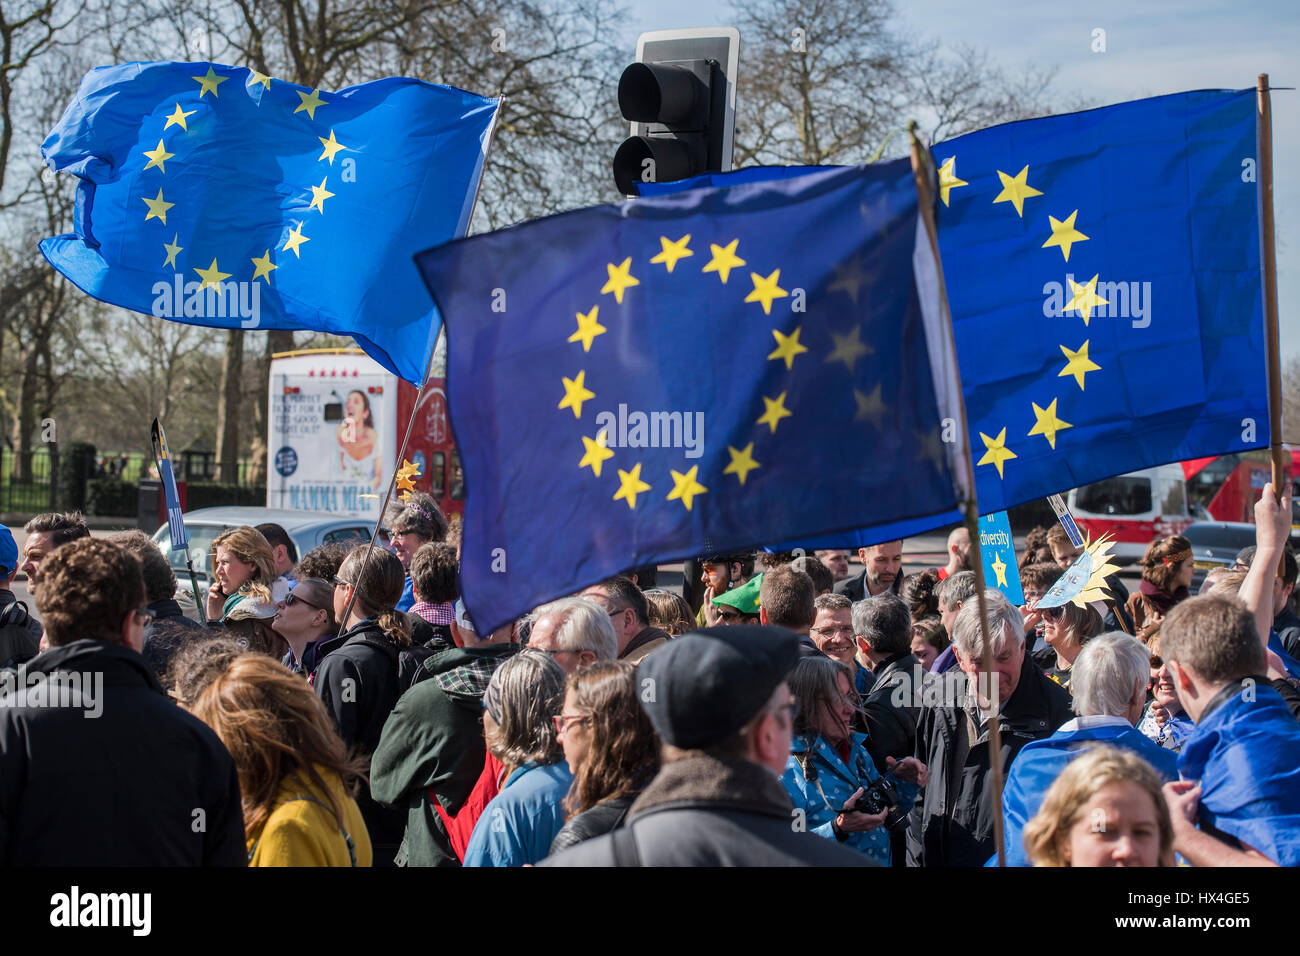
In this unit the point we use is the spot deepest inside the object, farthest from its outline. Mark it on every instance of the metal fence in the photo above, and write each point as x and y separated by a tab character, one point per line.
25	480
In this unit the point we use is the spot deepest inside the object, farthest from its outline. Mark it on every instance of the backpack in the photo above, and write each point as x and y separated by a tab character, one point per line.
15	615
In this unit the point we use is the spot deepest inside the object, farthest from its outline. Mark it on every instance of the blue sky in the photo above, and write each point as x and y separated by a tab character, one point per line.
1152	47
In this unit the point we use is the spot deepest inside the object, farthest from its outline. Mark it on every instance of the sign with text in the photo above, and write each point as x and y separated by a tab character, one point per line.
998	552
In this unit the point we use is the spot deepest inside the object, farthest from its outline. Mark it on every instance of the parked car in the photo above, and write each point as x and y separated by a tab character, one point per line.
307	529
1215	544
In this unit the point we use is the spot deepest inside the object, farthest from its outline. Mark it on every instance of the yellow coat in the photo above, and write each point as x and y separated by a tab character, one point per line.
304	832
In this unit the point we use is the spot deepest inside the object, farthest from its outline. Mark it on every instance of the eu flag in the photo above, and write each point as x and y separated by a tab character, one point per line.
218	196
712	370
1103	270
1103	273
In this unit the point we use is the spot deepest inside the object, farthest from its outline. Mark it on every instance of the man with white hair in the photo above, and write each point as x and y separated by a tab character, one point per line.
1109	683
952	822
575	632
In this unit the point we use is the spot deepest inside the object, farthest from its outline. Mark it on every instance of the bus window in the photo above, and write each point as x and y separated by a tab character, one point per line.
1116	496
1175	502
457	478
438	474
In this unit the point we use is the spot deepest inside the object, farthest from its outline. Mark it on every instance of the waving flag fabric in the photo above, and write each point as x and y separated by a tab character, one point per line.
218	196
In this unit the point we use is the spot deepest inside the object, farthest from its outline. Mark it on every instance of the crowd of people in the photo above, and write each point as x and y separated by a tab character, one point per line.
342	708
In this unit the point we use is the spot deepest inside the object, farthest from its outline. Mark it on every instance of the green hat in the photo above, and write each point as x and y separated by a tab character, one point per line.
744	598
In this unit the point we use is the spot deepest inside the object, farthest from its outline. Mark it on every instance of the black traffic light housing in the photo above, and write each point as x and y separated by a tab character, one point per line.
681	98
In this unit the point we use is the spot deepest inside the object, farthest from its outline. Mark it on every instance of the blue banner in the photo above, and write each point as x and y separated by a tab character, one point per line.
998	555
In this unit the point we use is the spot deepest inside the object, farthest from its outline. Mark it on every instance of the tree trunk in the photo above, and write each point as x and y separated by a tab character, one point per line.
26	419
278	340
228	407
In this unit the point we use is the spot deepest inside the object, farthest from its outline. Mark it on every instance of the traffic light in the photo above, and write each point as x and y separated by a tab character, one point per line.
680	96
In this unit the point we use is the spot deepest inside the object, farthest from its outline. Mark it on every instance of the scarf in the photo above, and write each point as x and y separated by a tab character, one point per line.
1160	600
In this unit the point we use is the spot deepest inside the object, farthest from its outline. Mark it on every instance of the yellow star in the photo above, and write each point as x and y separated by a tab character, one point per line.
787	347
1085	298
596	453
1064	234
672	251
773	411
212	276
630	485
685	487
157	157
309	103
262	266
1079	364
1048	424
724	260
172	248
588	329
331	145
620	279
157	207
848	278
178	117
318	196
948	180
765	290
408	471
742	462
998	453
999	568
871	408
1016	190
575	393
849	348
296	239
209	83
255	77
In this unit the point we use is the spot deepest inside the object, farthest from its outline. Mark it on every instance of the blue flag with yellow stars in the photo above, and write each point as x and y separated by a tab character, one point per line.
1103	272
218	196
709	371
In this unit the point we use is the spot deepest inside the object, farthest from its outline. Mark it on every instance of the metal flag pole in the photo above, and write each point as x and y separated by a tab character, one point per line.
923	170
1268	262
175	520
419	396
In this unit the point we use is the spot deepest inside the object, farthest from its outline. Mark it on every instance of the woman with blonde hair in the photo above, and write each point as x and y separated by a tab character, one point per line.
1105	809
1167	569
295	773
243	567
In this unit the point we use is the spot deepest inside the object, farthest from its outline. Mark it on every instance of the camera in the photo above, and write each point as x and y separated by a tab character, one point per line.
881	796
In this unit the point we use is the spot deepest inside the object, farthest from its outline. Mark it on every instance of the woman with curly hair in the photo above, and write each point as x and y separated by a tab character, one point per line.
413	521
610	746
1167	570
1105	809
243	567
917	592
295	773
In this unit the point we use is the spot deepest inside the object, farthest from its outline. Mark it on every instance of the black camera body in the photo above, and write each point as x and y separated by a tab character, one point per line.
880	797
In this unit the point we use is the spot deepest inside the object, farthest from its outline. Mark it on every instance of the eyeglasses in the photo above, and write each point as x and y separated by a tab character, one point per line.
1052	613
144	616
844	629
340	583
731	618
546	650
561	721
291	598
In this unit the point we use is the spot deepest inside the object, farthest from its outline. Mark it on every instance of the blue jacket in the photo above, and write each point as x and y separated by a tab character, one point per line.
1039	764
519	823
407	600
1246	754
837	783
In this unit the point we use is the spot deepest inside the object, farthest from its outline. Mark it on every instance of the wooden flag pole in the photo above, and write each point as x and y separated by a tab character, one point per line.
922	170
1268	260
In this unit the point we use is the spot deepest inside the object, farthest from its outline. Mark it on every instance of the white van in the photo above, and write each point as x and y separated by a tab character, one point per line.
1135	508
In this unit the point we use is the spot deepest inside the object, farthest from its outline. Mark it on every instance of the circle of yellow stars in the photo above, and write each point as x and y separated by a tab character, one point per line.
294	238
723	260
1064	235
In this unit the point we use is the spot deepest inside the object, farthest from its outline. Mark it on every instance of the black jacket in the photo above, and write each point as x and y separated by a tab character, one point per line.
952	822
358	683
20	633
891	727
855	588
703	811
143	783
599	820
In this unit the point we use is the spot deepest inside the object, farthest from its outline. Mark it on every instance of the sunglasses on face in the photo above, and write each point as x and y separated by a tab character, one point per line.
290	599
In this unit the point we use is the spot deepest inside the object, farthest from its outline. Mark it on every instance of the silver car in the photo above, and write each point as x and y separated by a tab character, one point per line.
307	529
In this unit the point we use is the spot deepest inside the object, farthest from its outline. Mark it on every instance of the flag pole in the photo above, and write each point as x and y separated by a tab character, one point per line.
1268	260
922	170
419	395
